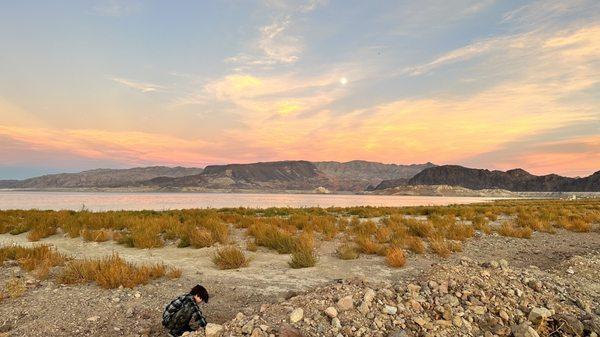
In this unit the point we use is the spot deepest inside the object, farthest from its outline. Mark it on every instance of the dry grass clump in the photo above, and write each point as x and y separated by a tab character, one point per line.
347	251
414	244
230	257
574	224
14	287
100	235
270	236
112	272
251	245
40	232
440	246
508	228
368	246
303	253
37	259
198	238
395	257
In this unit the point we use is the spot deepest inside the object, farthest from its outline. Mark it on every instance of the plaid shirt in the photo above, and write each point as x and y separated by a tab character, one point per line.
178	303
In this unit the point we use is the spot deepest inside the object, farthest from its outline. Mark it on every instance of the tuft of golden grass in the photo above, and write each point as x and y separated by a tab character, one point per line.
368	246
251	245
15	287
395	257
303	254
38	233
508	228
414	244
112	272
200	238
100	235
574	224
37	259
440	246
347	251
270	236
230	257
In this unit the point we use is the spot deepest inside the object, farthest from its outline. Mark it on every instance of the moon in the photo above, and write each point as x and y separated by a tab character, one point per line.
343	81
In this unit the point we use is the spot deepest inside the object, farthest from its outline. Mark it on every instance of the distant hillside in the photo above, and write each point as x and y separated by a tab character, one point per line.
512	180
100	177
280	175
359	174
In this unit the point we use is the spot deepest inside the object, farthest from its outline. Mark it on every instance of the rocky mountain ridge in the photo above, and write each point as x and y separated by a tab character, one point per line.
516	180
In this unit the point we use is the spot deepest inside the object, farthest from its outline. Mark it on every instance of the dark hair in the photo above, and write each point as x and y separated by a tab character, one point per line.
200	291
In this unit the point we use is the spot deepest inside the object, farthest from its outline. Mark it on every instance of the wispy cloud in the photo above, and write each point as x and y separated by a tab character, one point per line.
116	8
141	86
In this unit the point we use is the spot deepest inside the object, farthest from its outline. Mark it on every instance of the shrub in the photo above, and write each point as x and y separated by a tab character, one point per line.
37	259
200	238
395	257
100	235
347	251
230	257
509	229
15	287
368	246
414	244
575	224
268	235
303	256
111	272
440	246
251	246
38	233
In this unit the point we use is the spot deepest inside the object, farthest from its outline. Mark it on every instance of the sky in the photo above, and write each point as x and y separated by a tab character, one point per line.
495	84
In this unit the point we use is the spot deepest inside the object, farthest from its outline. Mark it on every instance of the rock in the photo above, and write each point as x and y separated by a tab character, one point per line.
288	331
570	271
248	327
478	310
503	263
257	332
345	303
213	330
335	323
93	318
420	321
536	315
504	315
296	315
331	312
400	333
369	295
568	324
524	330
389	310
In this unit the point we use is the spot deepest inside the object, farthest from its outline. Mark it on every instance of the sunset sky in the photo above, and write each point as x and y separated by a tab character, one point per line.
494	84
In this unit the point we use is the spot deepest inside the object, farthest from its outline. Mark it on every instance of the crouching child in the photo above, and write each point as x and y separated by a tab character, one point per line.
183	313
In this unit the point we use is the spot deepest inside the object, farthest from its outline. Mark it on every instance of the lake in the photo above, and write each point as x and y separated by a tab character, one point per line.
104	201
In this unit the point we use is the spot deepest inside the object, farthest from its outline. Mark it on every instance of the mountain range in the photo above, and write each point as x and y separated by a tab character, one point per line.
280	175
303	175
517	180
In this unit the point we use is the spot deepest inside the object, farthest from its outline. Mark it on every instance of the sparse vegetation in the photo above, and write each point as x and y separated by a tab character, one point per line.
347	251
113	272
230	257
367	230
14	287
303	253
395	257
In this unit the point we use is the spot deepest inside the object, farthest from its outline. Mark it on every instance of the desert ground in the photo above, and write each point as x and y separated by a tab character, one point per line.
554	267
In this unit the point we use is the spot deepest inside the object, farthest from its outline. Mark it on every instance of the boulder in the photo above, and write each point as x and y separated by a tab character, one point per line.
213	330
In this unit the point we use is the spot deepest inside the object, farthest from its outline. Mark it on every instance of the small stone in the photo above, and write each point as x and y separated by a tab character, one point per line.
93	318
504	315
457	321
331	312
296	315
345	303
390	310
570	271
248	327
420	321
213	330
536	315
257	332
524	330
335	323
478	310
369	295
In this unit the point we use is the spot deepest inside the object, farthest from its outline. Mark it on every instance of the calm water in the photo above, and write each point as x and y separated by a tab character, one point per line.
161	201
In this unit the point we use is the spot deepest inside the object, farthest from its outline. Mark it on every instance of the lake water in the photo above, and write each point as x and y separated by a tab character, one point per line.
103	201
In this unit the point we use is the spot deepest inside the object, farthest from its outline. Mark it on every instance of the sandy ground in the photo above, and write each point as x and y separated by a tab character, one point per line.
54	310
